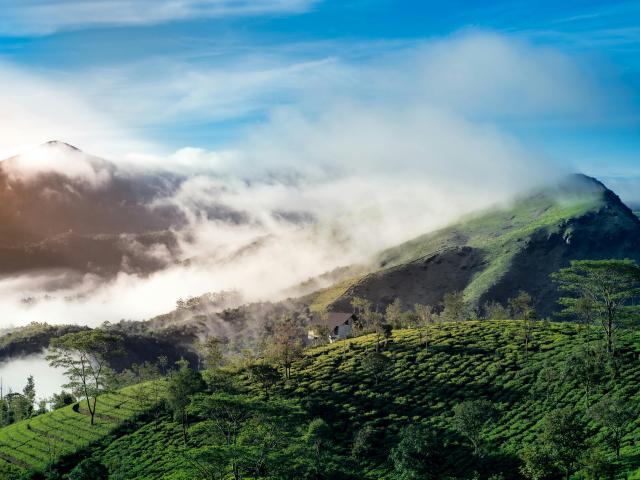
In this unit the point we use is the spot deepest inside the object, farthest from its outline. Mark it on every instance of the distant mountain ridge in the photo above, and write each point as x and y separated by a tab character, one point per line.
81	213
492	255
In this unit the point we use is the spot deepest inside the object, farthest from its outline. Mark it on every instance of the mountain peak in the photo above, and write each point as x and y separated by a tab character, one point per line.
59	143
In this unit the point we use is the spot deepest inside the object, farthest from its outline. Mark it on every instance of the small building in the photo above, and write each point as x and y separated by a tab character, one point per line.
331	326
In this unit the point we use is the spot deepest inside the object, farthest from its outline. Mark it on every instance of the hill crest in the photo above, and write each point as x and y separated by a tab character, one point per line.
491	255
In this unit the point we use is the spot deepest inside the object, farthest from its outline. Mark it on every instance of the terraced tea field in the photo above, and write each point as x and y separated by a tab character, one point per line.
33	444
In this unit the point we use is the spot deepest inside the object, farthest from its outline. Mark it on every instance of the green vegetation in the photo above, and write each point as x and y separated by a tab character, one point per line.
418	394
473	405
499	234
37	443
320	300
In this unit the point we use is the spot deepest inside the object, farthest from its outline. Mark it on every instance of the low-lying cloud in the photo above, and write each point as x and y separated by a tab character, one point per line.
352	161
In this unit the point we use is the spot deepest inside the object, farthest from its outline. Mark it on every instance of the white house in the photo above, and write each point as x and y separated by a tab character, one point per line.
332	326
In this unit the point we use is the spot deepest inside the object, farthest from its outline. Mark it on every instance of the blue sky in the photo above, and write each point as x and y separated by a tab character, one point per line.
162	75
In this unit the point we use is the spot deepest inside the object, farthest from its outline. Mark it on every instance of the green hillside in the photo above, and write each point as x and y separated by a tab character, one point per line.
337	383
491	255
32	445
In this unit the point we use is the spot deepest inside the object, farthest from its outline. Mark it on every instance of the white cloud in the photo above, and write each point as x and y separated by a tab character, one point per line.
475	74
41	17
38	107
365	155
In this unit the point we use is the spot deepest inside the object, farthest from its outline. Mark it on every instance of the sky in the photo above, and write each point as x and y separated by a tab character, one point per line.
368	122
148	78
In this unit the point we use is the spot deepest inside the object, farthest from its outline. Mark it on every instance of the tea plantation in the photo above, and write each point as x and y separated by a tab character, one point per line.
341	416
32	445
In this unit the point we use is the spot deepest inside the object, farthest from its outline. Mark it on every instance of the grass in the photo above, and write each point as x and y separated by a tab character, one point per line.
35	443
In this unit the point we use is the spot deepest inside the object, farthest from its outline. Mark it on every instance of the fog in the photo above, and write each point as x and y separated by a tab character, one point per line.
359	158
14	373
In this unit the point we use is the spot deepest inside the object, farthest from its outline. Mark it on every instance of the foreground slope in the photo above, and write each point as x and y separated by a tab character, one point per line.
465	360
493	255
34	444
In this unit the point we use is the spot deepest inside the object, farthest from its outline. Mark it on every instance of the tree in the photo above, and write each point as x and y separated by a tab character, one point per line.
393	313
184	383
611	286
226	416
211	352
84	356
586	365
29	394
89	469
564	436
548	381
420	455
471	419
455	309
496	311
537	463
363	442
362	309
522	309
260	438
424	315
62	399
375	363
163	363
614	415
596	465
287	343
264	374
318	437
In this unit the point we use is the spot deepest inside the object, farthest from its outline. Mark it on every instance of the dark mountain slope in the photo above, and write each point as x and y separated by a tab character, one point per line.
62	208
494	255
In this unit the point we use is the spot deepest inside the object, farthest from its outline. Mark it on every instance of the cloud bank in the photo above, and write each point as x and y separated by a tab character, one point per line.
347	159
41	17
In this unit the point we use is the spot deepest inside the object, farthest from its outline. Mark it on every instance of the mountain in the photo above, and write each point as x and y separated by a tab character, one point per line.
493	255
62	208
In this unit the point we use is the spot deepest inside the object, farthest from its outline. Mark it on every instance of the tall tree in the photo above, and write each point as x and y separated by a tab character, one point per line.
586	365
393	313
614	414
264	374
455	309
611	286
211	352
424	316
420	455
363	310
29	394
472	418
564	436
287	343
376	363
84	355
226	416
182	385
522	309
318	437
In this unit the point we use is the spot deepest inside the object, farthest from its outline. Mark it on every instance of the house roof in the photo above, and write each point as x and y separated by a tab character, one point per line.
332	319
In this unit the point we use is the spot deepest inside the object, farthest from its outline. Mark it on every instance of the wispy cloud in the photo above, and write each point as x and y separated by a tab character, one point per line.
41	17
